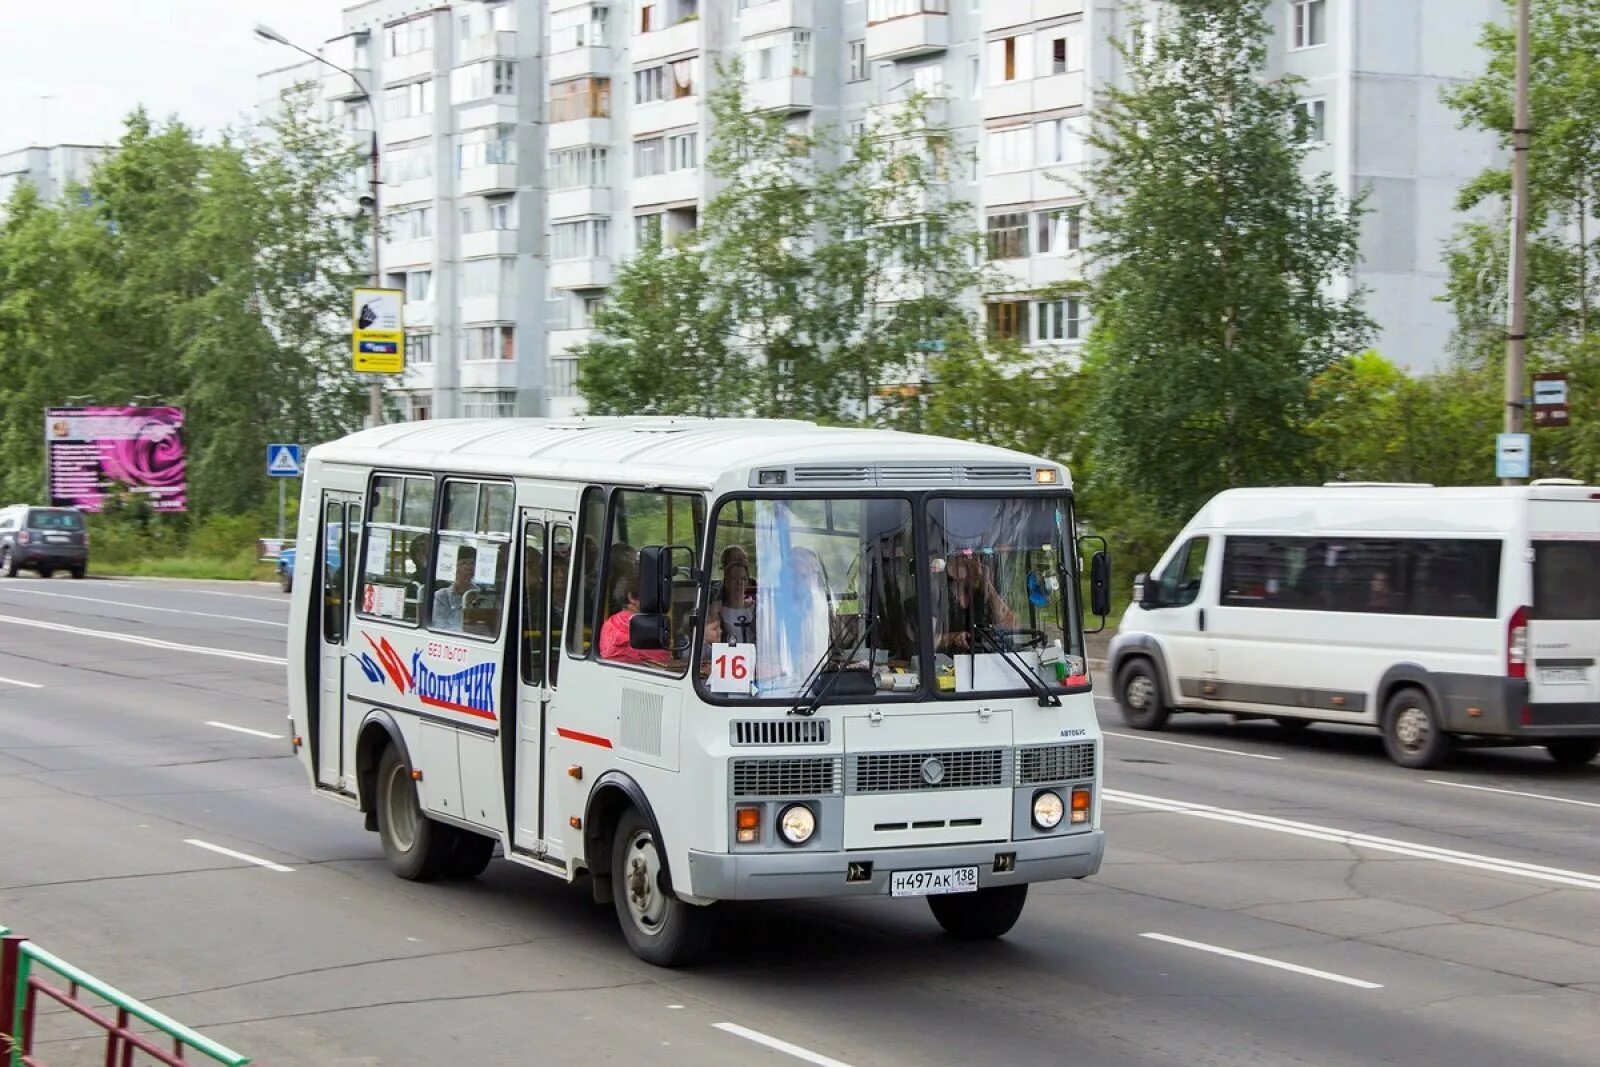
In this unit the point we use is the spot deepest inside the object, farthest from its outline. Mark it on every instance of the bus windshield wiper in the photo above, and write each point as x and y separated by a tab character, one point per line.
1047	699
804	706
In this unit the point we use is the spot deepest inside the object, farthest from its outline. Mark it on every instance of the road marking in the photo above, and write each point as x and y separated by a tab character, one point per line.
1517	868
246	730
147	642
151	607
1264	961
198	592
1515	793
779	1046
1186	744
257	860
25	685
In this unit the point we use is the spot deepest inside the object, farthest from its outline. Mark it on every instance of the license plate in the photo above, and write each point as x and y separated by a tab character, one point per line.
58	538
1563	676
933	882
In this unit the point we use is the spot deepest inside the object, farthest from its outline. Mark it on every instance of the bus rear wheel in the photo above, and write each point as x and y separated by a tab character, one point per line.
660	928
417	848
1412	733
1573	751
981	916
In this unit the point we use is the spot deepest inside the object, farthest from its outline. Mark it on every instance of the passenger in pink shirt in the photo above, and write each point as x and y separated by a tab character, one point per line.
614	644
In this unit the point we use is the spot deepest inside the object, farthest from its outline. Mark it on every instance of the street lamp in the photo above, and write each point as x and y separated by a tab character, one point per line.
368	202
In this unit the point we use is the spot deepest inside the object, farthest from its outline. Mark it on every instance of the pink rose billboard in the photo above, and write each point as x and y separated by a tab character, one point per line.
94	452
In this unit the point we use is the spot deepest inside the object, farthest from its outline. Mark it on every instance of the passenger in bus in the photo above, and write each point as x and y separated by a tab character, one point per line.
736	601
448	602
971	603
418	588
614	643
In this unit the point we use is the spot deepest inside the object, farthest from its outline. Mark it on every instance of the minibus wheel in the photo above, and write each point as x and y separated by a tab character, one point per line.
660	928
471	854
417	848
1139	695
981	916
1573	751
1412	733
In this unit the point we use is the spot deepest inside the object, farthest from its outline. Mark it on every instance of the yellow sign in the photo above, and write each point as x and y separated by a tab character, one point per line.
377	331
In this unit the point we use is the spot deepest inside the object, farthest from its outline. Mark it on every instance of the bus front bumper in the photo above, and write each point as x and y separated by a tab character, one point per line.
781	875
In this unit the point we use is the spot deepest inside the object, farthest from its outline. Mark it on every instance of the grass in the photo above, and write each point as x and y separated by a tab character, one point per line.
241	568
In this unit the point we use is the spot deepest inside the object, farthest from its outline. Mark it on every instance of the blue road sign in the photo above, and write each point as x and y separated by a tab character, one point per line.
283	461
1513	455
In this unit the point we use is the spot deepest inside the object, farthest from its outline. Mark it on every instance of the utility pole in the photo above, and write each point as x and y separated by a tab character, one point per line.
1517	289
370	201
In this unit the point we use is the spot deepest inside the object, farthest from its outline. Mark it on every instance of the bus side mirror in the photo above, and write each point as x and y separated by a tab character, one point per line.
655	580
653	631
1100	585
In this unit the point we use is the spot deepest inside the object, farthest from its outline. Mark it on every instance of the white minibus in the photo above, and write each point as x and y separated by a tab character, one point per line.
702	660
1439	616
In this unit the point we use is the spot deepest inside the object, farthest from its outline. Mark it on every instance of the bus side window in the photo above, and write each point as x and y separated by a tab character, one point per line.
474	544
534	601
560	570
591	531
399	527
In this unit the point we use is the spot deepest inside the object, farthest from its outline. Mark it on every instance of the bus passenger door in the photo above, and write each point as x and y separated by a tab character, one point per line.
546	556
338	535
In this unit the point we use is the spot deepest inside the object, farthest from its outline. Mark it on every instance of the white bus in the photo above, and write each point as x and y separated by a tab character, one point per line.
702	660
1437	615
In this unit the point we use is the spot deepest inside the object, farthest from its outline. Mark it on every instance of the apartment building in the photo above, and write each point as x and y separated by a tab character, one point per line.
51	169
528	147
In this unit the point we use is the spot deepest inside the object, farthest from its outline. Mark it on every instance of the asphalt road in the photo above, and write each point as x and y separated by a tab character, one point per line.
1266	898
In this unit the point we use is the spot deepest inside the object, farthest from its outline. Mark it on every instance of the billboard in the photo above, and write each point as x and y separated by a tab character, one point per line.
377	333
91	453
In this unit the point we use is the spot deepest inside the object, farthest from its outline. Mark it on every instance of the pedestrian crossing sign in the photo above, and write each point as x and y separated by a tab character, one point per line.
283	461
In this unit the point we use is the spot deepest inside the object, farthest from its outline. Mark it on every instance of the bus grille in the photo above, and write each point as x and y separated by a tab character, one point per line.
817	776
780	732
903	772
1055	763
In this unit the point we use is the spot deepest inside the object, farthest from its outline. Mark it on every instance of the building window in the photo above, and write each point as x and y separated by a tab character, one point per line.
684	76
884	10
1059	141
404	101
580	98
408	224
1059	321
584	239
487	146
1059	231
647	230
409	38
649	16
406	163
419	286
1308	23
1066	55
1010	149
419	407
1315	129
489	276
488	403
1010	59
928	80
649	157
575	168
1008	320
478	80
683	151
479	343
503	214
858	61
419	347
1008	235
649	85
588	308
579	27
778	55
563	377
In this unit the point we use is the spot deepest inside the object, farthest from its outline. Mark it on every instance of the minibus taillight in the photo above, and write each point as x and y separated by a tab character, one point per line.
1517	644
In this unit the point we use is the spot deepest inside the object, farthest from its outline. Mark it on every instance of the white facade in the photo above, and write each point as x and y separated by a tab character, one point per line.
529	145
51	170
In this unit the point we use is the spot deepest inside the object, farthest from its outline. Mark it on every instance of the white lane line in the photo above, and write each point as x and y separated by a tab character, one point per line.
779	1046
1557	875
141	582
245	730
25	685
1515	793
1186	744
151	607
257	860
146	642
1264	961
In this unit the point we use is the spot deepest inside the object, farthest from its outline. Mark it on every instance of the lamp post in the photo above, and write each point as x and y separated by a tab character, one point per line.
368	202
1517	296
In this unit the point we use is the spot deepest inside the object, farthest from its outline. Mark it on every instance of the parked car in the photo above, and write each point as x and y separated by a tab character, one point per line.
287	553
44	540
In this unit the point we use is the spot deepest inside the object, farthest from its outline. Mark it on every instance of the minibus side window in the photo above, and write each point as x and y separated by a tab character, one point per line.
586	578
1180	582
398	535
469	572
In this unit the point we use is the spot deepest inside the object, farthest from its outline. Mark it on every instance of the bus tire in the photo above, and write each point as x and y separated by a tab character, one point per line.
1412	732
1573	751
1140	696
471	854
660	928
1293	725
417	848
981	916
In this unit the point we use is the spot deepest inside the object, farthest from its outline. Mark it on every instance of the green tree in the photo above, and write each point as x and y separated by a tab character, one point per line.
1215	297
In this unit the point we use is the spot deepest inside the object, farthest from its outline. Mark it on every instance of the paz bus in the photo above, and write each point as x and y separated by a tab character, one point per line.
701	661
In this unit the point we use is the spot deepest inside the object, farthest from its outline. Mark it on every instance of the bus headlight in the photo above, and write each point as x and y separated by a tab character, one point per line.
797	823
1047	810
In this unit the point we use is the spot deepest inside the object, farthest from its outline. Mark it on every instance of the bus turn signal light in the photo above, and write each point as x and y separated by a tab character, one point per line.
1081	798
747	823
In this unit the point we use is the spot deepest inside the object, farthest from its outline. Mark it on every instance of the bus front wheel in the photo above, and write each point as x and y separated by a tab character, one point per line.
660	928
980	916
417	848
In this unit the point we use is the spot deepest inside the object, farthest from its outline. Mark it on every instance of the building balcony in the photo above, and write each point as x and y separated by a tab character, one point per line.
488	243
1050	93
563	341
666	115
577	132
502	44
490	178
496	307
676	187
672	41
1003	14
337	85
488	374
908	36
577	62
776	15
887	116
415	253
410	128
418	313
580	274
779	94
404	68
584	202
496	111
359	141
1009	187
418	375
417	190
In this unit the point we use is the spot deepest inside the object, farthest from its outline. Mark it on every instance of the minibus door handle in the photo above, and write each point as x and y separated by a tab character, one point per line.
1202	622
